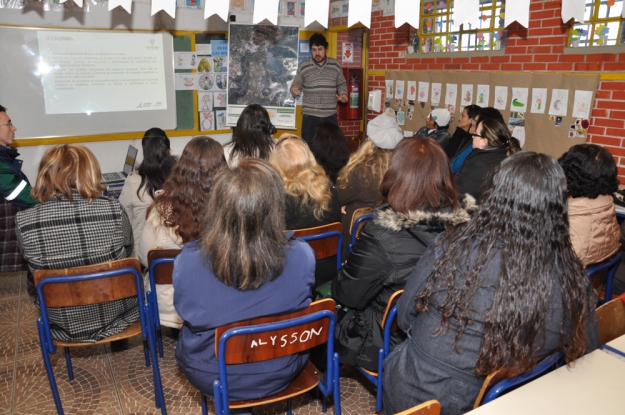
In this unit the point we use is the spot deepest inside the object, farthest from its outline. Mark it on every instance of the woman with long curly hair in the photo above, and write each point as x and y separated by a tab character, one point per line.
252	137
503	290
591	178
138	191
177	214
310	198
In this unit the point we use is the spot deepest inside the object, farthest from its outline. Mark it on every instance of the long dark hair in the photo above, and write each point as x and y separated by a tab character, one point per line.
590	171
243	239
157	161
185	193
526	210
330	149
252	135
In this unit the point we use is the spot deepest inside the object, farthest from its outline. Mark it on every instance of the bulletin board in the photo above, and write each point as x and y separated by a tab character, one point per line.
546	129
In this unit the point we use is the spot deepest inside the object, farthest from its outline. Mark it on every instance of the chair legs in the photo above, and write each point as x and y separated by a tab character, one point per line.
68	362
48	365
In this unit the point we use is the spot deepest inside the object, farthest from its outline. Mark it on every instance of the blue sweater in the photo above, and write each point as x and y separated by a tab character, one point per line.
205	303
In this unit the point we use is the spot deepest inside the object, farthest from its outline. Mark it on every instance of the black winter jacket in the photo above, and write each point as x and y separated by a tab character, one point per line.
382	259
475	169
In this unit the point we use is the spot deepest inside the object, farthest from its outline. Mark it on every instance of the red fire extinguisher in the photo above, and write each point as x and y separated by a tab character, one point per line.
352	111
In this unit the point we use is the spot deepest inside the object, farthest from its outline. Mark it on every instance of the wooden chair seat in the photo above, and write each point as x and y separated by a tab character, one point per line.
133	330
307	380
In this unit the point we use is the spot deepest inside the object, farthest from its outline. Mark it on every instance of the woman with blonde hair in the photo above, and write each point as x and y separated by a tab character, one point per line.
74	225
310	198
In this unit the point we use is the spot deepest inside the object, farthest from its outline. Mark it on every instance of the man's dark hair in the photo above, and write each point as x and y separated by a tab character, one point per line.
2	109
318	40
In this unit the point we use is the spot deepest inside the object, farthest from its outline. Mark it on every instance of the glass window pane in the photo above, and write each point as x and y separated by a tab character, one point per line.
579	35
622	40
588	12
427	26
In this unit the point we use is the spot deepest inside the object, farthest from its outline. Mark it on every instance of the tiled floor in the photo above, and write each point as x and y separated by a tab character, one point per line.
109	381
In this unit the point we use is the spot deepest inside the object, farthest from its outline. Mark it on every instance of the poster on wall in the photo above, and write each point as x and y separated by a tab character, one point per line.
348	52
262	61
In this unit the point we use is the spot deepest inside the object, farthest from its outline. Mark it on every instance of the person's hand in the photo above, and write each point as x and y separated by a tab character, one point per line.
342	97
343	211
296	91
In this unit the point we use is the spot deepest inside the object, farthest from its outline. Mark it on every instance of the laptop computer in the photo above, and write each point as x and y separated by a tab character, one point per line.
129	165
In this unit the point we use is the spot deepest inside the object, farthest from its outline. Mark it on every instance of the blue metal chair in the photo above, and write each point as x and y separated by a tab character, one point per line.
91	285
321	240
235	347
549	363
389	325
356	228
608	267
161	268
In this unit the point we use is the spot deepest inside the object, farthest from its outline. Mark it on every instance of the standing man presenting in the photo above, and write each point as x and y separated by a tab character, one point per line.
14	196
323	84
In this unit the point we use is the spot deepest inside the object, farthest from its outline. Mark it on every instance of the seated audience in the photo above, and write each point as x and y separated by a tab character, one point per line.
177	215
422	202
243	266
491	144
310	198
462	138
138	191
436	126
252	137
330	148
358	183
74	225
591	179
503	290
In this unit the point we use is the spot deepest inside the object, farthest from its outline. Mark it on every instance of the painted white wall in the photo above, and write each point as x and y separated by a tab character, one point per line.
110	154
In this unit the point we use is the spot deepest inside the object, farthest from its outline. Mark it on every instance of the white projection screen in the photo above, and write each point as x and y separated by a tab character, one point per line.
79	82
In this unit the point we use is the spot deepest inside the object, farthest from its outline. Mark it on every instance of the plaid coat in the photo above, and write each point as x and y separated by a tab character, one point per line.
62	234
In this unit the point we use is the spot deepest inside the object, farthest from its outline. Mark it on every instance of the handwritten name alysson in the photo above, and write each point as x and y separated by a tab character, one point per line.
286	339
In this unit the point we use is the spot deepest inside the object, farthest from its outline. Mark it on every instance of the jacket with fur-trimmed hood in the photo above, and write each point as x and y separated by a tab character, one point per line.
382	259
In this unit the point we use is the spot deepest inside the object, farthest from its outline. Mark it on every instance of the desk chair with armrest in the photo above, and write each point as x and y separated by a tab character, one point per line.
94	284
161	269
250	341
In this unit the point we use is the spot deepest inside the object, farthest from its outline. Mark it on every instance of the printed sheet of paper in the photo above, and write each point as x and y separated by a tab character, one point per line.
207	120
203	48
519	99
483	95
390	89
186	81
411	91
539	100
436	93
450	94
582	104
185	60
422	94
501	97
204	101
559	102
466	96
399	89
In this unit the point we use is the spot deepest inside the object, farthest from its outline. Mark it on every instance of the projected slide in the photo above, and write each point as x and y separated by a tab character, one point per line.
90	72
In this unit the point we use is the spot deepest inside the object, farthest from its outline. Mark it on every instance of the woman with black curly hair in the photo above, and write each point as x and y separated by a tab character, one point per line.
330	149
591	179
503	290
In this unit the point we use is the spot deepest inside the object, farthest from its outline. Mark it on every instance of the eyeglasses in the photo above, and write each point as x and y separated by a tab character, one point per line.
476	135
10	124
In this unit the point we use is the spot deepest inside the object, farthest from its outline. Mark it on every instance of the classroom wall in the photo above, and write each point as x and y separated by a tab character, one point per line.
351	128
539	48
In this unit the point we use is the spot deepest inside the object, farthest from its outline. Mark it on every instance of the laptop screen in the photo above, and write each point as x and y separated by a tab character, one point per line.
131	157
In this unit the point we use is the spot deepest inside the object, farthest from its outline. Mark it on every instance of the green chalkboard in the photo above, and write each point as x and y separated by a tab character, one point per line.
185	108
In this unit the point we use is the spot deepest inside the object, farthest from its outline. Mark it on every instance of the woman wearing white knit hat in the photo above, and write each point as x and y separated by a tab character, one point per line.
436	125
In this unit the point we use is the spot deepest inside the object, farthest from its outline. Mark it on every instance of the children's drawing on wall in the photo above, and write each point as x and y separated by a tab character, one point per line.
501	97
582	104
436	93
302	8
390	89
220	99
221	80
451	94
205	101
451	109
399	89
204	65
422	92
220	119
483	95
186	81
539	100
185	60
559	102
519	99
466	95
410	110
290	8
411	90
207	121
220	64
579	129
401	117
237	4
206	82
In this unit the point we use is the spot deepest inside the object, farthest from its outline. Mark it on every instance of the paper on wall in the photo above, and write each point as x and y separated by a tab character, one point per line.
203	48
411	91
518	10
186	81
185	60
436	93
390	89
483	95
539	100
422	94
399	89
207	120
582	104
519	99
466	96
501	97
559	102
450	95
205	101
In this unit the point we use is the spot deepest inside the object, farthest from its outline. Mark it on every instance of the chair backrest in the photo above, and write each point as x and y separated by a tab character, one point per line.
359	218
490	381
270	337
391	303
91	291
611	319
608	269
507	385
325	240
432	407
162	272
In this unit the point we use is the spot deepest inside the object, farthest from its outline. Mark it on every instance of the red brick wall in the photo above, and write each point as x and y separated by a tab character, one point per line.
537	48
350	128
